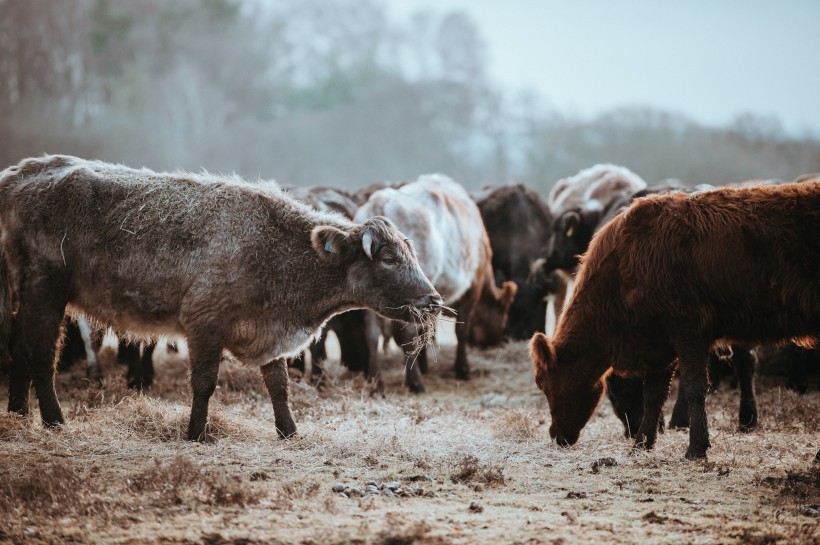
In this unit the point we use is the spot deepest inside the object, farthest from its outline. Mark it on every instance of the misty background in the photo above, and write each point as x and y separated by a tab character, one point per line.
350	92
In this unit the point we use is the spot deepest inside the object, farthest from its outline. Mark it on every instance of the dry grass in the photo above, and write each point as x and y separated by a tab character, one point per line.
120	470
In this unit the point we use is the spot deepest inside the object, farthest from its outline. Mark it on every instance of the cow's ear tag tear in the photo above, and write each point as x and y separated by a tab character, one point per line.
329	248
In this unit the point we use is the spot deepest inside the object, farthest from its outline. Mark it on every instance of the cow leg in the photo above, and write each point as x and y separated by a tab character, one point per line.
464	310
680	412
35	347
694	381
93	369
140	372
205	354
626	396
276	379
143	375
744	364
799	376
318	354
655	392
19	388
405	336
372	332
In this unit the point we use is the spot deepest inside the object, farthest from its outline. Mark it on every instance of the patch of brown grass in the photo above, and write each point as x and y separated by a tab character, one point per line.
158	420
516	425
94	395
470	469
12	426
54	490
179	481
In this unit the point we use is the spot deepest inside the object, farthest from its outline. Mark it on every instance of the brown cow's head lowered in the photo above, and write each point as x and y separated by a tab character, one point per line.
572	400
382	270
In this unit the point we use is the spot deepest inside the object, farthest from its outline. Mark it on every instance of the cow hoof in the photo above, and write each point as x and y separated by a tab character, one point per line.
139	384
94	374
642	443
200	435
695	454
286	430
462	374
748	420
678	424
54	424
752	426
417	388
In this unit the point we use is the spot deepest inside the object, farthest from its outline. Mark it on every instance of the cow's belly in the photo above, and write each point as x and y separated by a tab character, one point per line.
258	342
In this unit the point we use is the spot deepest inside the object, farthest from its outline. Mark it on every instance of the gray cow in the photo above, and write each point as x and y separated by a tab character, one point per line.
225	264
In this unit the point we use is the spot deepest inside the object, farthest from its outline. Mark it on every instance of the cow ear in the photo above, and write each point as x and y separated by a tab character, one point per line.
329	242
542	352
570	222
508	289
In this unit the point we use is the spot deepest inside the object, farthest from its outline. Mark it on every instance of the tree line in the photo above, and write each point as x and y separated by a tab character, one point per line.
331	92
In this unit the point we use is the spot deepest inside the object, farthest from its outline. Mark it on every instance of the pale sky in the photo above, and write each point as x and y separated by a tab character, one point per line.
709	60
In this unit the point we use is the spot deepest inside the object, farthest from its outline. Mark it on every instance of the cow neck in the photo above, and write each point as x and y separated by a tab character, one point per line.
579	339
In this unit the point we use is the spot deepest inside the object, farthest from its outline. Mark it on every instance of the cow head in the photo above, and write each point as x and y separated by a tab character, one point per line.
383	272
571	395
572	232
490	315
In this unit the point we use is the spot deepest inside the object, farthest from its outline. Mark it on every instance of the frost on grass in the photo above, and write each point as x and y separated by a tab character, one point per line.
157	420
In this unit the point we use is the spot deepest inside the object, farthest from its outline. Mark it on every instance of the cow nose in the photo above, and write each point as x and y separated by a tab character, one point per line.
429	301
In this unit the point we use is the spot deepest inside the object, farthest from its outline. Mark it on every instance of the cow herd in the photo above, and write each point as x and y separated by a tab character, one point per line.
666	278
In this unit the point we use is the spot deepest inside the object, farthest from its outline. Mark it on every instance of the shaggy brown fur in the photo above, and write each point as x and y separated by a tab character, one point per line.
671	277
227	265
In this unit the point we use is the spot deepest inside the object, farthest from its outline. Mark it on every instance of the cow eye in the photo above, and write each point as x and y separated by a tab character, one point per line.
389	260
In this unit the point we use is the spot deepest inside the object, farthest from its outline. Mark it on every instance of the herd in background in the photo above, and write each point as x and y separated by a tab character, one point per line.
497	258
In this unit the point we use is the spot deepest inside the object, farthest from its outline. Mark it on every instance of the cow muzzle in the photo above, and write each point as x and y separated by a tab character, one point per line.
429	303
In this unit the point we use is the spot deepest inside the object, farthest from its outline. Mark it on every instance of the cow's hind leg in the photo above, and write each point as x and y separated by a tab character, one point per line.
626	396
276	379
655	392
745	368
205	353
36	333
694	382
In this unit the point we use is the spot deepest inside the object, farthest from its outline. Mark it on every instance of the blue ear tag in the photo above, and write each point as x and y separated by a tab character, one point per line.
329	249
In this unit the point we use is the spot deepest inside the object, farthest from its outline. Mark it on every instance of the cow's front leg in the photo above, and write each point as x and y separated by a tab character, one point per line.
205	353
276	379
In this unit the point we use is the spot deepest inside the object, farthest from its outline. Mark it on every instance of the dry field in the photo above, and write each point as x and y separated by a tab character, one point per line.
469	462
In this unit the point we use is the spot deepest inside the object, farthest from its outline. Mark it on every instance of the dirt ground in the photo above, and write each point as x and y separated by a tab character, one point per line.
469	462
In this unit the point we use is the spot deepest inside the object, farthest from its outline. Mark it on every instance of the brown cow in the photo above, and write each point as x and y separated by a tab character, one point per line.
225	264
670	278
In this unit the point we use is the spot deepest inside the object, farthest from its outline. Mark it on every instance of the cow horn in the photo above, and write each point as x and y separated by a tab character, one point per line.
367	243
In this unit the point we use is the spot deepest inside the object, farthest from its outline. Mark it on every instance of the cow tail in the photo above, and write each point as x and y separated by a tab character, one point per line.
6	314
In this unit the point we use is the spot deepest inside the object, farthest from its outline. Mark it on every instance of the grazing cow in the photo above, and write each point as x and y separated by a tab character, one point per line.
454	252
518	221
670	278
225	264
